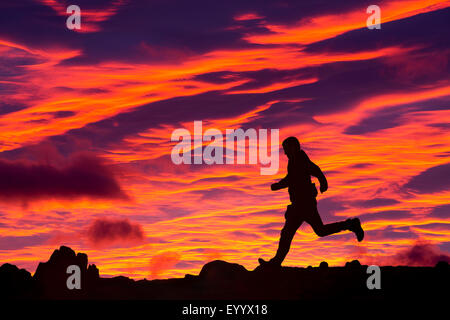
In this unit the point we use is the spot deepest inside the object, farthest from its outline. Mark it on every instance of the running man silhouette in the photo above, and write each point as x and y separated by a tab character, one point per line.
303	207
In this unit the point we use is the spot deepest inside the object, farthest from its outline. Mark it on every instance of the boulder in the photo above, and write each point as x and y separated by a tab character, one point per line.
15	282
219	270
355	264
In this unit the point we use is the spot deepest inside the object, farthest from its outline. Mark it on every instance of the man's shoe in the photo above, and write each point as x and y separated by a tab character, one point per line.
270	263
263	262
355	226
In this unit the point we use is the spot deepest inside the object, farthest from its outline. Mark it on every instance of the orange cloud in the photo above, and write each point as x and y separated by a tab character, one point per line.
161	262
329	26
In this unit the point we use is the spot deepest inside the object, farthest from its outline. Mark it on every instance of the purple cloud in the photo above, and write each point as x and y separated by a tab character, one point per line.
434	179
85	176
106	232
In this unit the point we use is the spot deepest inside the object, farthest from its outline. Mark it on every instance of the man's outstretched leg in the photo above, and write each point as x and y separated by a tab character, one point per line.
287	234
323	230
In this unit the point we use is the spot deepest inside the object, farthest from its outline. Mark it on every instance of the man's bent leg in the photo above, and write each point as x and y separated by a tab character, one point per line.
323	230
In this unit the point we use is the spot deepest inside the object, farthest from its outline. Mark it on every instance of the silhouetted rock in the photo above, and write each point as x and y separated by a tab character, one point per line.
355	264
92	273
222	280
13	271
15	282
219	270
442	265
51	276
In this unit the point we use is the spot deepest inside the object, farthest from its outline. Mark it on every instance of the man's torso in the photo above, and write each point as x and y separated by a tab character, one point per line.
300	188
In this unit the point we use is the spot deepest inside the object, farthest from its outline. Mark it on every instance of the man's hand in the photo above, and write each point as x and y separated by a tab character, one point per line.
323	187
275	186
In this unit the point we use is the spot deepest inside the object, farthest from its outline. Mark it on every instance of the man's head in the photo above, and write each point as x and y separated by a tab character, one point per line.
291	146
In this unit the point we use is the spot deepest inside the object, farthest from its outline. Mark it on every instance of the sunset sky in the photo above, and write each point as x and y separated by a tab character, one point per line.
86	118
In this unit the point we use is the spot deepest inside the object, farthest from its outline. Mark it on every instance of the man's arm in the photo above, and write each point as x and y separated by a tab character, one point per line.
283	183
315	171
